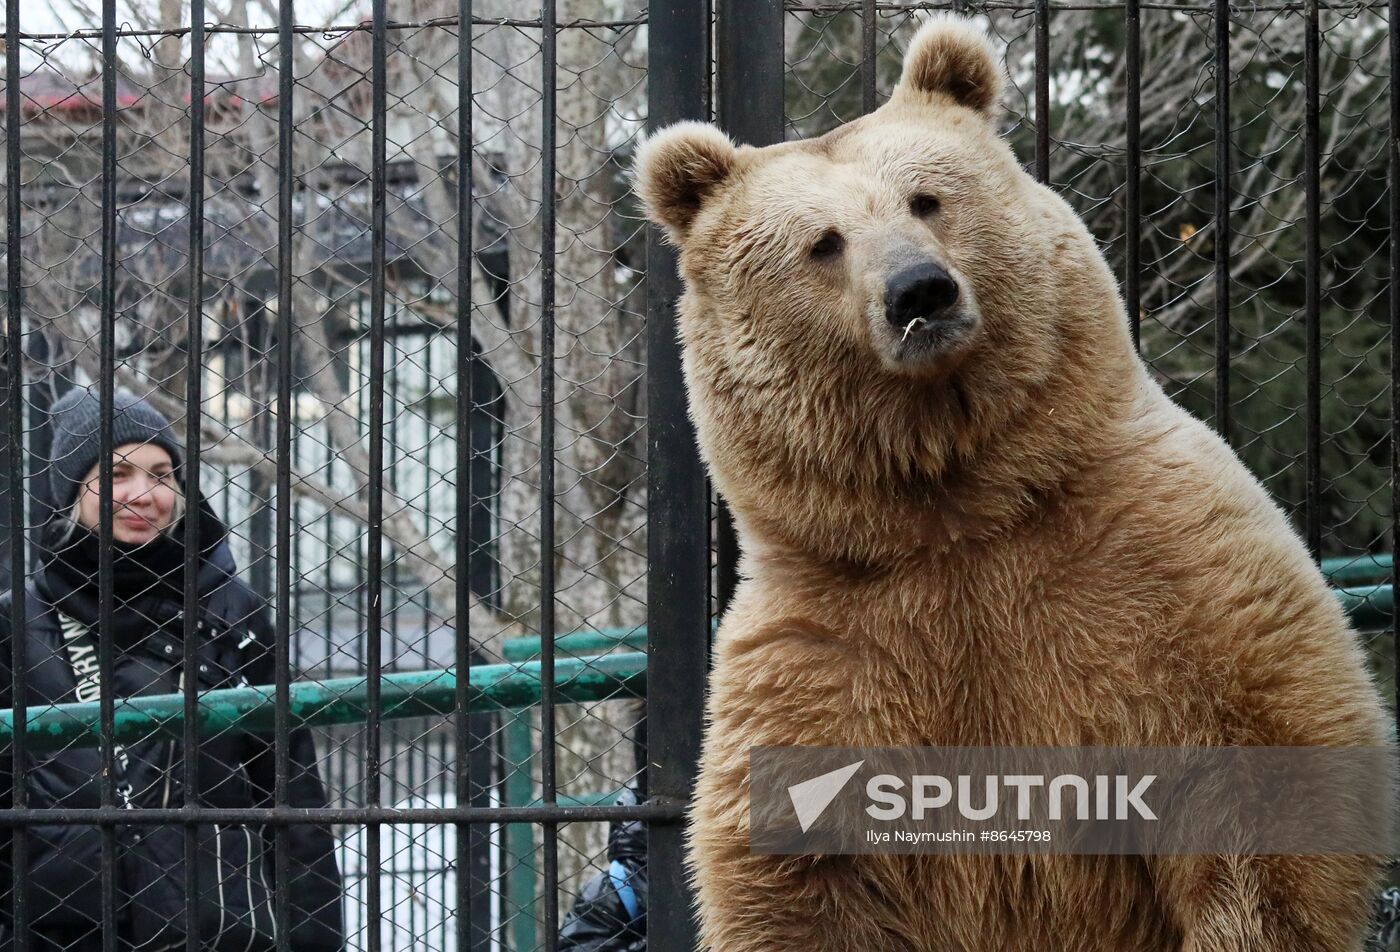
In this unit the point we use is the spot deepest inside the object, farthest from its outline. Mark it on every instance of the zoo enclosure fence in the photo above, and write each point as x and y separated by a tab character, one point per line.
389	278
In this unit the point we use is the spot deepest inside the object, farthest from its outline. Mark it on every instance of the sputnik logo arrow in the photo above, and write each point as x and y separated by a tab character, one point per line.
810	798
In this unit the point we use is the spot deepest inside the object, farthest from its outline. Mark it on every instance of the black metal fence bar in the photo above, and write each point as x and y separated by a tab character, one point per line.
14	461
727	556
677	543
1223	201
1132	160
106	386
1312	165
194	413
657	812
374	661
1393	288
548	737
466	924
1042	90
749	69
286	366
869	56
749	92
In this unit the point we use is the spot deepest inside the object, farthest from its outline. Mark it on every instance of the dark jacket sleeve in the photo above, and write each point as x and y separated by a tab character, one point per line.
313	888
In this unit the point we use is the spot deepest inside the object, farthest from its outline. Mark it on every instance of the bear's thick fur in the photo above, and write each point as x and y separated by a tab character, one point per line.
992	528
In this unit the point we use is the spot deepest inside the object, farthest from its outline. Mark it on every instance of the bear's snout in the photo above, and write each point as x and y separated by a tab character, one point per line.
921	291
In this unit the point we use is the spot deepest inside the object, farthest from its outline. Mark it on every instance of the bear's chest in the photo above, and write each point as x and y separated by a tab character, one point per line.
1034	667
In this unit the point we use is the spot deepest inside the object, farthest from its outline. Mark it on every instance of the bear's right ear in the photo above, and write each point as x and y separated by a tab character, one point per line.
952	56
678	168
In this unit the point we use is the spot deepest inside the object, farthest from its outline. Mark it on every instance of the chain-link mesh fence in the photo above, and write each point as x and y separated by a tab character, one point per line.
409	419
325	265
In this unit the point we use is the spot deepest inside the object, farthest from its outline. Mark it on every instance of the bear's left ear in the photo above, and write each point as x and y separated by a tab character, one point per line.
680	167
950	55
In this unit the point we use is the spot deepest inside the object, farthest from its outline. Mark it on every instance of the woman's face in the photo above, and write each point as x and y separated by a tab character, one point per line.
143	493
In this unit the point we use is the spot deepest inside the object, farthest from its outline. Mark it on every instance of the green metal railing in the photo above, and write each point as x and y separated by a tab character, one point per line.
1350	569
1369	606
336	701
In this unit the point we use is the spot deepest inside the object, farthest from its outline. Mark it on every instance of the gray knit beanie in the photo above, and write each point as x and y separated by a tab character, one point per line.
77	437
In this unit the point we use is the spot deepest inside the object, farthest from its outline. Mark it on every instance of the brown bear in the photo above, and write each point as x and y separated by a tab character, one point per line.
969	516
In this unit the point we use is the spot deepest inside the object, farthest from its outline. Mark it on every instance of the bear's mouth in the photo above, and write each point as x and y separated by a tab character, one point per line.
925	340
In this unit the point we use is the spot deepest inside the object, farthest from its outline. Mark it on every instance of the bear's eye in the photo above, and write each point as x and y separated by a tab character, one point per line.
923	205
828	246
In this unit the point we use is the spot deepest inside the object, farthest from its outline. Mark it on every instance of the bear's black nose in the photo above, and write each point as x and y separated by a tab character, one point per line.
922	290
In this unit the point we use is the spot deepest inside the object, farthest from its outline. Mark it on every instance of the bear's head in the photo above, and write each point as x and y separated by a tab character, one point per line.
893	335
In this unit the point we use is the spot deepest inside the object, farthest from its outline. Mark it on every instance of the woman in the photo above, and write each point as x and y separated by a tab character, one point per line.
236	874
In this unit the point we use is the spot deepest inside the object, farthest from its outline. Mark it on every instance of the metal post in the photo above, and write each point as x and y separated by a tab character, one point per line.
106	373
11	461
39	437
262	335
677	537
14	425
286	180
194	376
548	780
1222	217
1393	183
1042	91
869	56
1312	165
749	75
1132	264
375	583
472	734
546	476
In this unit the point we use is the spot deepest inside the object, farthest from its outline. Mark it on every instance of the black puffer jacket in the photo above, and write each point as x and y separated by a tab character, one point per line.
236	874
